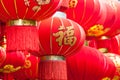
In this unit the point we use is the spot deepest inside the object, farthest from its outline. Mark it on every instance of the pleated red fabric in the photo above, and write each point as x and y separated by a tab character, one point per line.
53	70
24	38
89	64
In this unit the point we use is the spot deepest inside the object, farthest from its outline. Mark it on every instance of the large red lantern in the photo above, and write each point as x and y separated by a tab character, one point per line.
58	37
21	32
27	9
89	64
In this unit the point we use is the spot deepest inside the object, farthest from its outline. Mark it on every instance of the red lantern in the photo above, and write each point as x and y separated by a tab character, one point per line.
29	70
27	9
21	30
116	59
13	63
111	44
115	26
85	12
58	37
89	64
107	19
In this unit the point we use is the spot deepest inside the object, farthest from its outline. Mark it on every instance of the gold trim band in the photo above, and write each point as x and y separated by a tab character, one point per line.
21	22
52	57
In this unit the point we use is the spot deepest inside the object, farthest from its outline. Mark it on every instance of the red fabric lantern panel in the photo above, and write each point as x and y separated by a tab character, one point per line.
29	70
89	64
111	44
2	55
115	29
107	19
59	36
27	9
85	12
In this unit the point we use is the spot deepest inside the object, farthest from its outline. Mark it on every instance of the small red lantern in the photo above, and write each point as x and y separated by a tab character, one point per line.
12	63
29	70
58	37
89	64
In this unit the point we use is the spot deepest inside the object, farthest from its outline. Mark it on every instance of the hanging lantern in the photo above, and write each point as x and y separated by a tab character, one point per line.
12	63
84	12
29	70
27	9
21	17
116	59
115	29
58	37
89	64
108	18
111	44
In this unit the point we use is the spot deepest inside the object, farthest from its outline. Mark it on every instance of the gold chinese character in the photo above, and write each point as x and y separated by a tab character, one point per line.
65	36
43	2
27	2
73	3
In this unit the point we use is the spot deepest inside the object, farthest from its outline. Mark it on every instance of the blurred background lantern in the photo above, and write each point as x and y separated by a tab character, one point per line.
29	70
115	29
116	59
89	64
110	44
107	20
58	37
12	63
84	12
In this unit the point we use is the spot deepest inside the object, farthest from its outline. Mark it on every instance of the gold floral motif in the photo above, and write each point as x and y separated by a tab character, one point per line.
9	69
97	30
106	78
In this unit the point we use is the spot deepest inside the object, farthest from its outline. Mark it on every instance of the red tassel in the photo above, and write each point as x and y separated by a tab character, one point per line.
22	38
8	77
52	70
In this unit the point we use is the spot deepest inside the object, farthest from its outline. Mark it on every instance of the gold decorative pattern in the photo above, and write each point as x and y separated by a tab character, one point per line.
73	3
97	30
9	69
4	7
22	22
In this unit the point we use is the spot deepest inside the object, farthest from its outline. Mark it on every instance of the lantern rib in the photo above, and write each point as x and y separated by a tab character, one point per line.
62	45
16	10
83	11
50	11
51	36
5	8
